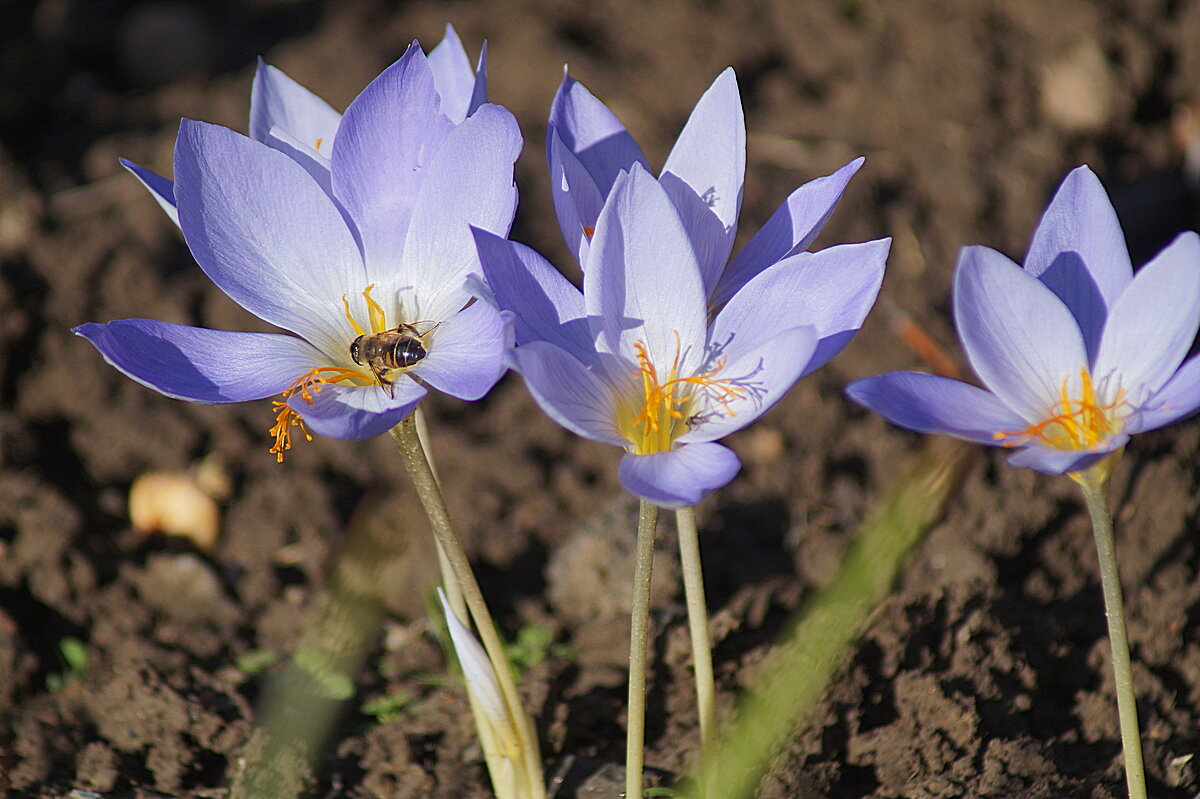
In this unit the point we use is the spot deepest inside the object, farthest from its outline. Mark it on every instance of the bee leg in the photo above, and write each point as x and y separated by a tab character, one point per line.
384	383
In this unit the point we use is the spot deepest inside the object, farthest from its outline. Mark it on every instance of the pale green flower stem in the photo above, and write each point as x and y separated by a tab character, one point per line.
527	781
693	587
1094	482
639	630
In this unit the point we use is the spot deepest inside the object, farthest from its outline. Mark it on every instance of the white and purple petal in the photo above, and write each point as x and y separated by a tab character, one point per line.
1079	251
160	188
933	404
1178	399
277	101
704	173
265	233
1048	460
350	412
832	290
569	392
791	229
1153	323
201	365
466	353
545	305
642	282
592	132
681	476
452	76
577	200
468	184
388	138
761	376
1021	340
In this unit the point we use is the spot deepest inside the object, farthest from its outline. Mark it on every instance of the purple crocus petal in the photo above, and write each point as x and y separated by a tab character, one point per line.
577	200
1079	251
350	413
831	289
569	392
200	365
388	137
277	101
468	183
592	133
791	229
764	374
1041	458
161	189
679	477
466	353
1153	323
264	232
1179	398
480	92
315	164
1021	339
705	170
642	282
934	404
452	75
546	307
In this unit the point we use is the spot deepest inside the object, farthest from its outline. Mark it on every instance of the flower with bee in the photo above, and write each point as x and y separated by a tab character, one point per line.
370	245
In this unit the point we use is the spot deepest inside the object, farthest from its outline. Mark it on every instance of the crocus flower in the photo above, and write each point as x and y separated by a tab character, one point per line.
1076	352
382	253
633	360
588	148
288	117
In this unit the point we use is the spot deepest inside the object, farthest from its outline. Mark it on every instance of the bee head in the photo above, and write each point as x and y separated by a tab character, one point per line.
355	351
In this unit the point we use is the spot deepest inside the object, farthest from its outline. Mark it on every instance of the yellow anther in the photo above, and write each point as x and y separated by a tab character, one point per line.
664	403
317	147
1073	423
376	316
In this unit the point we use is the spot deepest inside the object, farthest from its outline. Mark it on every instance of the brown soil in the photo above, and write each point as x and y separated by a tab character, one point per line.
985	673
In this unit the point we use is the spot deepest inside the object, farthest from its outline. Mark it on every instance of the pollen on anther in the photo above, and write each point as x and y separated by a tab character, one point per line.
307	386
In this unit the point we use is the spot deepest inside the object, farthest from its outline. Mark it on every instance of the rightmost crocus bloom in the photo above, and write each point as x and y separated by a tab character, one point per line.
1077	354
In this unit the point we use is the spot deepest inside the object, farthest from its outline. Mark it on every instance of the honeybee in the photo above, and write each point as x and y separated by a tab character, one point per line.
399	348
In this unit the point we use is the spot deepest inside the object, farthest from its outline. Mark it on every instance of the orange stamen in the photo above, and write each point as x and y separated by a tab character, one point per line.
665	402
1073	423
318	147
589	231
307	384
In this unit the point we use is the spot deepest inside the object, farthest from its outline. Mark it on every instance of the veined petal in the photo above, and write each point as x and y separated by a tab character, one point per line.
1079	251
761	376
569	392
161	189
388	138
831	289
1021	339
705	171
265	233
1048	460
1153	323
577	200
469	183
642	282
452	75
277	101
933	404
545	305
791	229
592	132
315	164
350	412
1179	398
201	365
679	477
466	353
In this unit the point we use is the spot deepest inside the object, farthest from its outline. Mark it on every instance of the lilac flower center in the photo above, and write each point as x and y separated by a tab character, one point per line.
664	409
1074	423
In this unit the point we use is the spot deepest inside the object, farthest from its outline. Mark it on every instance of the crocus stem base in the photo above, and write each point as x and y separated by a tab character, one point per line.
1094	482
639	631
693	586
